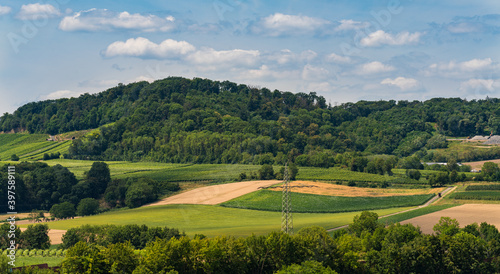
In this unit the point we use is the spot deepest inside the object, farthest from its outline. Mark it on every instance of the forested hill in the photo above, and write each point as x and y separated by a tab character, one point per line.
204	121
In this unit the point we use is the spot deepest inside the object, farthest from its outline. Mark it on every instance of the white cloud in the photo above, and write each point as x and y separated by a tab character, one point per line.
403	83
480	84
463	27
37	11
60	94
351	25
380	37
209	56
453	68
5	10
374	68
264	73
335	58
143	48
312	73
105	20
278	24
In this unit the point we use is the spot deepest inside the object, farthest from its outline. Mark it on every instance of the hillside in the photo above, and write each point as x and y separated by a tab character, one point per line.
202	121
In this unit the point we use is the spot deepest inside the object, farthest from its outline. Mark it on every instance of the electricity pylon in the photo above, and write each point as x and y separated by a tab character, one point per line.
286	205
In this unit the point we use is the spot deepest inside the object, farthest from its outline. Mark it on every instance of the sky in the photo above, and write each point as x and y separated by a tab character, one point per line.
343	50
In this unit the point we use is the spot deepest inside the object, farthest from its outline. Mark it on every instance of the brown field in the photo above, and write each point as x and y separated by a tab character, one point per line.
465	215
216	194
341	190
479	164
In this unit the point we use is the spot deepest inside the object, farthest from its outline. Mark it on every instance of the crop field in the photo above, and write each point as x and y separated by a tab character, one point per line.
414	213
476	195
338	174
212	220
25	261
333	189
309	203
483	187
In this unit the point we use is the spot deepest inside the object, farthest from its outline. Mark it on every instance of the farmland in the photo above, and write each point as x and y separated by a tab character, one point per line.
212	220
309	203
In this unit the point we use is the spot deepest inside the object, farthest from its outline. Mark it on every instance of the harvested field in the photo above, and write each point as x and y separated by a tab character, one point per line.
347	191
216	194
479	164
465	215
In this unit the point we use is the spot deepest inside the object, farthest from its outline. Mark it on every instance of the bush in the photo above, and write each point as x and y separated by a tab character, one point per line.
87	206
266	172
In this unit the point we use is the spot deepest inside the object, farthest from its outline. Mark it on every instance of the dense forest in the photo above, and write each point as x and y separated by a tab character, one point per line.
202	121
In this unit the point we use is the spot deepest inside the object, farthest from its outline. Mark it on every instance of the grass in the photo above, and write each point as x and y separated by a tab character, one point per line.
476	195
483	187
414	213
26	261
212	220
310	203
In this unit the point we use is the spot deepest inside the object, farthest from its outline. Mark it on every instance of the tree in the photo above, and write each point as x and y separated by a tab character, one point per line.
413	174
63	210
446	226
266	172
491	170
5	231
36	237
307	267
87	206
367	221
14	157
85	258
98	178
139	193
121	257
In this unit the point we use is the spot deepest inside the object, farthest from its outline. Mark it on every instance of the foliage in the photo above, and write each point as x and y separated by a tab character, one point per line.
307	267
446	226
266	172
5	231
271	200
38	186
366	221
87	206
104	235
36	237
63	210
14	157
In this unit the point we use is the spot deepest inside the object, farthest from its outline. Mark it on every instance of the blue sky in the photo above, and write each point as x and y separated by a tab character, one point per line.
344	50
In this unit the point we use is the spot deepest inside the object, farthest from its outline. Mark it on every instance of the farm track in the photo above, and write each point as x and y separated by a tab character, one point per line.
434	199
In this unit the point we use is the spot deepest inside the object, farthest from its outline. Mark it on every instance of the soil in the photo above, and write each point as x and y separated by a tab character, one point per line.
342	190
465	215
216	194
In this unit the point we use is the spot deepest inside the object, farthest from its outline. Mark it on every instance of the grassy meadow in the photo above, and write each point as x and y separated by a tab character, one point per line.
212	220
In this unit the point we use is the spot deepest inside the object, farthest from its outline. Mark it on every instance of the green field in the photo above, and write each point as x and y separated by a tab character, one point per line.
414	213
29	147
212	220
338	174
476	195
483	187
310	203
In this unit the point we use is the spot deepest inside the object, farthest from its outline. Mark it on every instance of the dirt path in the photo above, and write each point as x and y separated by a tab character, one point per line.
465	215
216	194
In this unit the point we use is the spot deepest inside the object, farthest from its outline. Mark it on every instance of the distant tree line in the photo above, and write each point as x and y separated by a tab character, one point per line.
202	121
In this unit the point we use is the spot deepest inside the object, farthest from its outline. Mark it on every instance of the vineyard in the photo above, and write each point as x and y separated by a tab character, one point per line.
310	203
476	195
